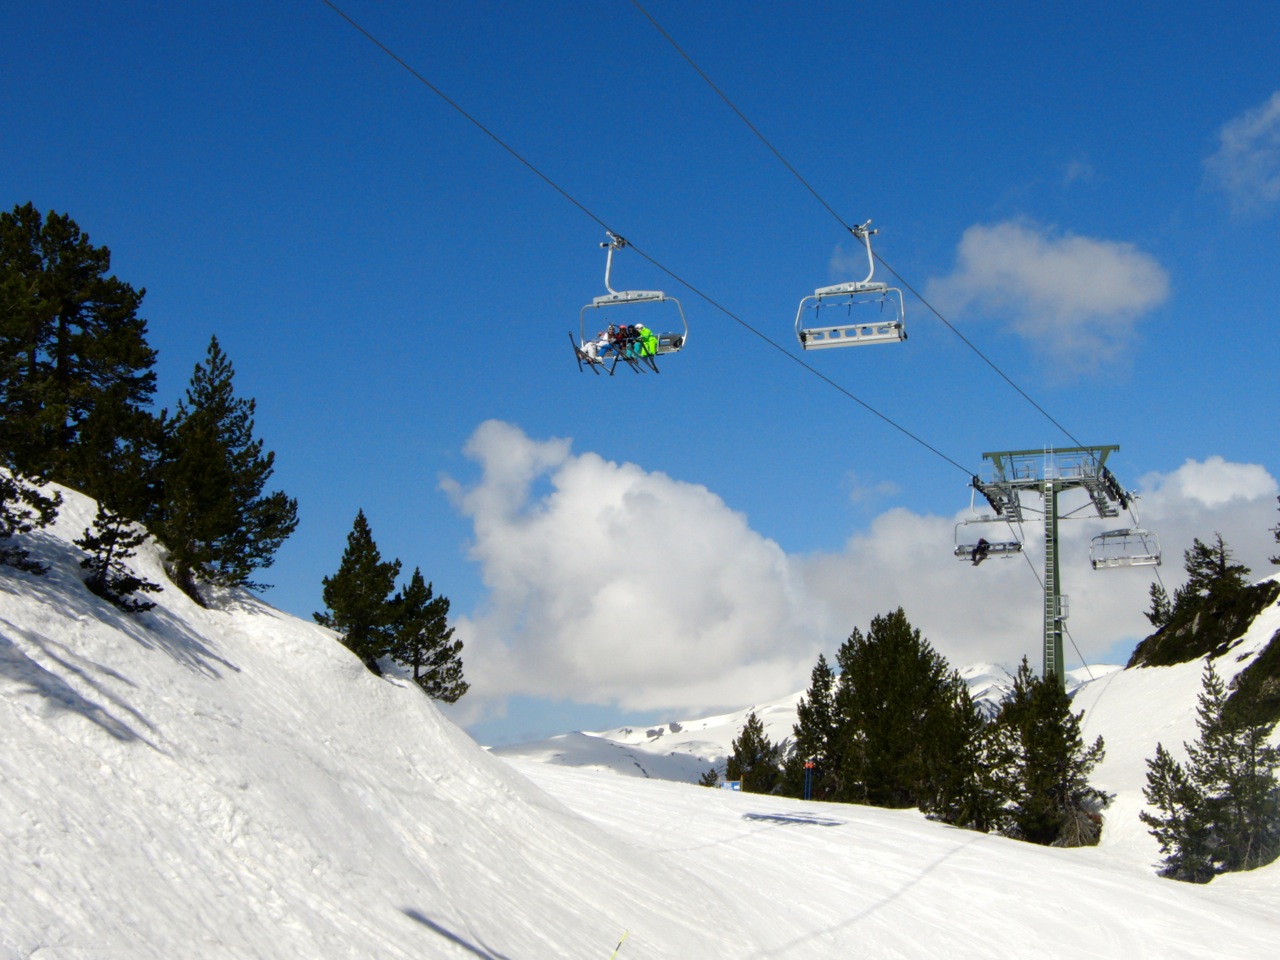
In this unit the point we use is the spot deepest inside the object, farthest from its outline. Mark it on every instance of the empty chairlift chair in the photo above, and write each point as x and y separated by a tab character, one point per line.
852	314
1130	547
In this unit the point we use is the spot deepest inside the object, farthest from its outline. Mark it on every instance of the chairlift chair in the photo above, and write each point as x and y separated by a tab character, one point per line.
983	548
816	332
1129	547
670	342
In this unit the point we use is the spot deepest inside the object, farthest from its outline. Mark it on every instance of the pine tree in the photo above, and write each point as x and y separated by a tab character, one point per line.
1250	820
109	542
960	790
358	597
116	459
23	508
754	760
1223	812
1181	828
1161	610
894	706
70	333
711	778
423	641
1044	766
1212	574
214	518
813	742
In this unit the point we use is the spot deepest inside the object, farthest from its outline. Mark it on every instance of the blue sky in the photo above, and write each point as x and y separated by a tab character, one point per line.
1090	194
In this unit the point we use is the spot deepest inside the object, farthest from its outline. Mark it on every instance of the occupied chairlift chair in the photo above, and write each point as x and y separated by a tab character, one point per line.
1130	547
983	548
667	342
859	294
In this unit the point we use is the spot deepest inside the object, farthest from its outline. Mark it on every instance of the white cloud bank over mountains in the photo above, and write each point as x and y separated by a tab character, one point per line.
610	584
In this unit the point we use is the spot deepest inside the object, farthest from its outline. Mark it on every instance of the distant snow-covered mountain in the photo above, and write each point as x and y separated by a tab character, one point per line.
686	749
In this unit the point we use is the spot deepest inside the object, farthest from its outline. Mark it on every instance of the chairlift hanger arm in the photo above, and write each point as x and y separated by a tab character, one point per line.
863	234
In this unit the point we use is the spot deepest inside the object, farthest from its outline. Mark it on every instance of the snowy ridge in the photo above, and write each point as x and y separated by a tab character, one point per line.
686	749
232	783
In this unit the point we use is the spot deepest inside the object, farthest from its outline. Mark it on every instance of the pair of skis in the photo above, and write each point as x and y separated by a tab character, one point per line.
595	364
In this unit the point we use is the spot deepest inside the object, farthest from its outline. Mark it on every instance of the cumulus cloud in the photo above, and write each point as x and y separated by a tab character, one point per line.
1247	162
1075	298
1212	484
993	612
610	584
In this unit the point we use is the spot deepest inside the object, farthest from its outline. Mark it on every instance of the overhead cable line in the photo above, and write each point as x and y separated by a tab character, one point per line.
741	116
848	228
582	207
854	230
478	125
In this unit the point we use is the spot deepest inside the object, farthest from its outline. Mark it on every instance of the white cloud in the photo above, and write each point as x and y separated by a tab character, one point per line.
1076	299
992	613
1213	483
1247	162
613	585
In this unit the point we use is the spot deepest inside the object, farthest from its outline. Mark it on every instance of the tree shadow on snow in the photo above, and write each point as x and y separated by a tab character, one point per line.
58	693
795	818
479	951
155	629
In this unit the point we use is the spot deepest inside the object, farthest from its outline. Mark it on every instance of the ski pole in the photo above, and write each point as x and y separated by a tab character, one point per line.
619	946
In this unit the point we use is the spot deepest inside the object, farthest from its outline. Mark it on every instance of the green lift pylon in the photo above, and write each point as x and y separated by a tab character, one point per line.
1049	473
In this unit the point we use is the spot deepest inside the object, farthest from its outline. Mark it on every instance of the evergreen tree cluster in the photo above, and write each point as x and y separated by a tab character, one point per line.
896	727
1214	578
1220	811
76	391
1035	766
755	762
409	627
1208	612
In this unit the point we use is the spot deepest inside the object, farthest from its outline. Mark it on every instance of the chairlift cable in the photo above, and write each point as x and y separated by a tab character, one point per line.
847	227
791	356
1156	569
742	116
972	346
590	214
480	126
1083	662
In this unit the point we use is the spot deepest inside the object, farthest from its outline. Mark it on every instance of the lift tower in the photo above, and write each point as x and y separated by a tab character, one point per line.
1049	473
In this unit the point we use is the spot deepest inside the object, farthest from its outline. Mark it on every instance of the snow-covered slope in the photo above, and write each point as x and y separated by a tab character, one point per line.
232	783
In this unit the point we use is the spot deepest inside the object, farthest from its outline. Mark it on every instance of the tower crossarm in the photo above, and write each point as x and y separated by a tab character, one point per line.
1003	498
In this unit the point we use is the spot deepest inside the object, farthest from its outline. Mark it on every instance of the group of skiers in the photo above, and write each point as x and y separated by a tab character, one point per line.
626	340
